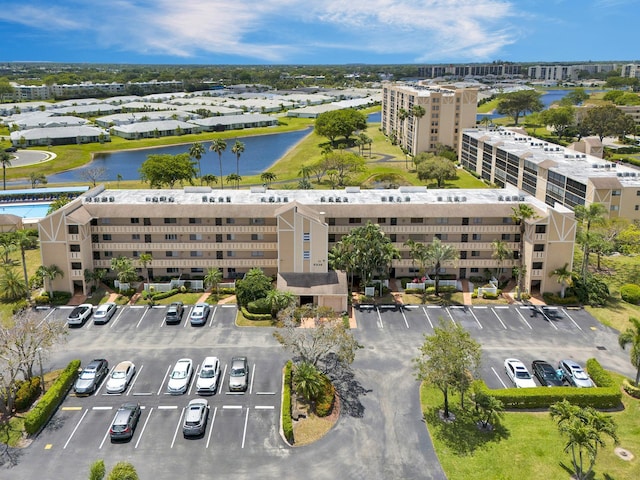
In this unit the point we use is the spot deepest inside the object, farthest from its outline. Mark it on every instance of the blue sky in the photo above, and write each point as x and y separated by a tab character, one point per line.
318	31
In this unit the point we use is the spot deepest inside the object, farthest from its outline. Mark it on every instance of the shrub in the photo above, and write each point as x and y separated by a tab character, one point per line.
630	293
287	421
35	419
42	299
161	295
324	404
27	394
259	306
61	298
599	375
19	306
255	316
630	388
553	299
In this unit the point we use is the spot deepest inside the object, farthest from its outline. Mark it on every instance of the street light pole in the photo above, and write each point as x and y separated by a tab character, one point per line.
41	371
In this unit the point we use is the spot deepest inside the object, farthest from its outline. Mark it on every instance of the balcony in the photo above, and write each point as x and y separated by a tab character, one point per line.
201	262
183	229
184	247
432	229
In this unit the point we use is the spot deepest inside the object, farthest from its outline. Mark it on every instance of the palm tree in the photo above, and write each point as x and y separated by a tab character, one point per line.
36	178
12	287
436	254
213	279
234	178
305	171
588	216
279	300
49	274
501	252
520	215
418	253
209	178
219	145
631	336
308	381
8	246
125	272
24	241
565	278
5	160
196	151
267	178
145	260
237	149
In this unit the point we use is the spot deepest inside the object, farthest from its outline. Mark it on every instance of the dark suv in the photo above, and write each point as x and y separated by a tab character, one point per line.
174	313
125	422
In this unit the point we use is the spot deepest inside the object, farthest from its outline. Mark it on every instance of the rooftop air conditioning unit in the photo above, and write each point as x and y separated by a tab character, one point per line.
507	199
163	199
322	199
384	199
172	199
345	199
155	199
212	199
204	199
439	199
500	198
521	198
88	199
112	199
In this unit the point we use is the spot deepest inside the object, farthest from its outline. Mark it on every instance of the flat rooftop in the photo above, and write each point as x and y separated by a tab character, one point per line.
570	163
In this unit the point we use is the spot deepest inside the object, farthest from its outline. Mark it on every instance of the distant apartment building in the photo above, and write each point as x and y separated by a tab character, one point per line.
564	72
447	111
551	173
631	70
85	89
289	233
507	70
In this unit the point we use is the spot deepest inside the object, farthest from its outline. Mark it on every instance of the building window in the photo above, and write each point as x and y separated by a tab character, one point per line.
135	220
616	193
506	237
477	220
170	253
197	270
108	254
541	229
507	220
170	220
106	221
637	207
332	238
230	237
538	247
463	255
475	270
195	220
306	237
536	266
382	220
394	221
637	193
257	254
442	236
106	237
74	248
146	221
442	220
355	220
171	236
231	221
136	254
306	255
257	236
96	255
231	253
147	238
72	229
195	236
195	253
218	221
614	208
476	237
173	270
415	220
475	253
135	236
257	221
76	266
331	221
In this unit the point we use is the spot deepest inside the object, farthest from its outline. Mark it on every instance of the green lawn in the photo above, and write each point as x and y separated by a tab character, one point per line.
33	262
525	445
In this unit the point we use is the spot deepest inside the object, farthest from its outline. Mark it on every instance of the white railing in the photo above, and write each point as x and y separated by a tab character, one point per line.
175	283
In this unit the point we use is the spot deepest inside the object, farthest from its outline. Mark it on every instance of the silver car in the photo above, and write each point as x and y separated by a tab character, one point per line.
199	314
574	374
195	419
239	374
104	312
120	377
180	377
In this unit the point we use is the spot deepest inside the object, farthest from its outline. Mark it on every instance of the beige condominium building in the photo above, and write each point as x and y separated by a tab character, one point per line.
289	233
447	111
551	173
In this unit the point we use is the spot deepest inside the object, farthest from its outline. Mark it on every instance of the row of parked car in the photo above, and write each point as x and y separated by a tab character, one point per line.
175	311
207	383
568	372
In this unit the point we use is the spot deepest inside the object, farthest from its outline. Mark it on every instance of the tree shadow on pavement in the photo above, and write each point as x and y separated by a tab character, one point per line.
347	387
463	435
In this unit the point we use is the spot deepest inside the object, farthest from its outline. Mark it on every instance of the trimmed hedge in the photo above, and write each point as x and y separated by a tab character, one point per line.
167	294
255	316
287	421
553	299
630	388
606	395
35	419
260	306
630	293
27	394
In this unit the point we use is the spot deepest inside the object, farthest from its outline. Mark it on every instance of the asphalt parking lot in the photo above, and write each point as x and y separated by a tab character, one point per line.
380	433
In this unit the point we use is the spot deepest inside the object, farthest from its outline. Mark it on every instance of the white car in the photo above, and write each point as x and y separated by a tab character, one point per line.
120	377
208	377
180	377
518	373
80	314
104	312
199	314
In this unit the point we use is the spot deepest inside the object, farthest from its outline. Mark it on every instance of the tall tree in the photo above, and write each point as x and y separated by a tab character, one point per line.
49	274
196	151
418	254
431	167
309	382
436	254
219	146
93	175
5	160
340	123
560	119
564	277
213	278
12	287
267	178
37	178
145	259
605	121
631	336
24	241
235	179
125	272
521	213
237	150
587	217
446	356
585	429
518	103
501	252
164	169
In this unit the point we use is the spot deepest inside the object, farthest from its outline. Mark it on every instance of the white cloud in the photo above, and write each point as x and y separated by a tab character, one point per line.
40	17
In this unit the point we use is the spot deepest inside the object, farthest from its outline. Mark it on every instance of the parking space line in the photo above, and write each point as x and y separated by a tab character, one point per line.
265	393
498	376
144	427
450	316
427	315
46	318
213	420
501	306
213	314
253	376
499	319
380	324
264	407
163	379
524	319
71	408
75	429
113	324
191	382
167	407
142	317
227	306
481	307
106	434
232	407
405	318
133	382
188	317
244	434
570	318
101	408
434	306
175	434
474	316
548	319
